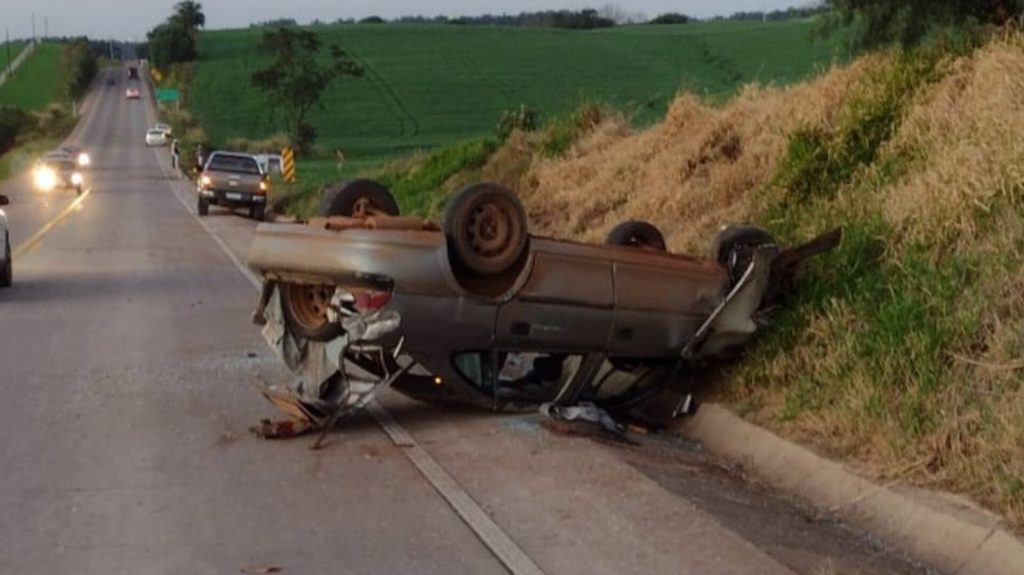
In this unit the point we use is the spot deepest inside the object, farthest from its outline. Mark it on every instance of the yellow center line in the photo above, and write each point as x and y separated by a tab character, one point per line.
37	237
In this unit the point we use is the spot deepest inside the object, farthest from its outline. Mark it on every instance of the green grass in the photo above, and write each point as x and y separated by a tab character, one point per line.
37	83
431	86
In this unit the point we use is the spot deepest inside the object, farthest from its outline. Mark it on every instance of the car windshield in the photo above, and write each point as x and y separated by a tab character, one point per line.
62	165
241	164
155	133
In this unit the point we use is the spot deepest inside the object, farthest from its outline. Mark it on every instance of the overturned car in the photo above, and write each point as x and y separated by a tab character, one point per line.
479	311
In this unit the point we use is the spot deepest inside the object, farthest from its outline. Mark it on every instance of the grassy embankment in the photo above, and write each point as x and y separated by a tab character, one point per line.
903	352
443	88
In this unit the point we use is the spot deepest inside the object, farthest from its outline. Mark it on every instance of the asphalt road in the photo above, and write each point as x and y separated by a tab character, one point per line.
126	357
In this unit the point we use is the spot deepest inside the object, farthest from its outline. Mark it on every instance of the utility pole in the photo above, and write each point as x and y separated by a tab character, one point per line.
46	27
33	27
9	65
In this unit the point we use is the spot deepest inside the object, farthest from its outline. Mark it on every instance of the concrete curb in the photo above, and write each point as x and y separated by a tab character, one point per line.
948	533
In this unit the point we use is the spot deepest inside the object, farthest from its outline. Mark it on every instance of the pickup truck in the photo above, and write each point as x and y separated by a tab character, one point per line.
233	180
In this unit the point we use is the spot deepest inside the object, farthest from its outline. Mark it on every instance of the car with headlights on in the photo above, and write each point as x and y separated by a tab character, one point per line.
233	180
58	170
79	155
155	137
6	264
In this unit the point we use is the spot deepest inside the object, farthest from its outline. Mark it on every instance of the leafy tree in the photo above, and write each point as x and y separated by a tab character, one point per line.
907	22
175	40
296	79
79	65
671	18
170	43
190	15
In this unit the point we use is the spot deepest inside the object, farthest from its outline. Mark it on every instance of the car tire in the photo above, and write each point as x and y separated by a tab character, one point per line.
305	308
357	198
733	246
257	212
637	234
7	273
203	206
486	229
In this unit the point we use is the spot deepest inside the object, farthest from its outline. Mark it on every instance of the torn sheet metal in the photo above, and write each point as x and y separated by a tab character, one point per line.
326	385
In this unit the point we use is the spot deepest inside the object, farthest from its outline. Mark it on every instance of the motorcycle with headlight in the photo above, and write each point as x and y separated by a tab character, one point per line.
53	173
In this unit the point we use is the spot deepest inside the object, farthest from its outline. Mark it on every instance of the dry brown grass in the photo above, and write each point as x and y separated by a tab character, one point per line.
698	169
970	126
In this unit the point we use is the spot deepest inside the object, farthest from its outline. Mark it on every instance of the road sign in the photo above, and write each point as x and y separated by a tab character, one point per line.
288	165
167	95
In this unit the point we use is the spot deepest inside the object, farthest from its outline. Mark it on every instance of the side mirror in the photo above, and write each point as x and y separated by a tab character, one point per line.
4	200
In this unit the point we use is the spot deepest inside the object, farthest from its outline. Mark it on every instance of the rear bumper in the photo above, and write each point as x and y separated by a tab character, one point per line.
233	197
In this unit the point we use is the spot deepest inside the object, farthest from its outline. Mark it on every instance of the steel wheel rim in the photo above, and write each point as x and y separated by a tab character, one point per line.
490	230
362	208
309	305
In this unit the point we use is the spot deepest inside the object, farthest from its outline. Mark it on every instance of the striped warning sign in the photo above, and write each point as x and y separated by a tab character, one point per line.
288	165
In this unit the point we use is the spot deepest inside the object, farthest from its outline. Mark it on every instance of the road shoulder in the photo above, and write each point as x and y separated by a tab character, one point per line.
944	531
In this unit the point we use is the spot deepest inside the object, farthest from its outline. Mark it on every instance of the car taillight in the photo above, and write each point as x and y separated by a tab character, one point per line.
366	301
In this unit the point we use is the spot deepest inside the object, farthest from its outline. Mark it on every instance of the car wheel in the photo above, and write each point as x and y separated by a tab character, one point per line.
733	246
638	235
203	207
305	311
7	273
485	226
257	212
357	199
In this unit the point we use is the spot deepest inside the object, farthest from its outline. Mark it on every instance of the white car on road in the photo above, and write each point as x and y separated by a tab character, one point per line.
6	264
156	137
165	128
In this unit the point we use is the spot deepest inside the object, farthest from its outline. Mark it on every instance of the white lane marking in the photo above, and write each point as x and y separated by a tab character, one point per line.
37	237
479	522
501	545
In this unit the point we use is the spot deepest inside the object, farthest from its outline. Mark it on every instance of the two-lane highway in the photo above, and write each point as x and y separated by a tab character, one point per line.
125	356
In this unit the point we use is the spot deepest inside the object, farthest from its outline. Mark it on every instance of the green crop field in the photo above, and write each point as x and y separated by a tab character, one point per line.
434	85
36	84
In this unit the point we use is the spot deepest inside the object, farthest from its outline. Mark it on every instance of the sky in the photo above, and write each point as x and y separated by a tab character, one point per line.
128	19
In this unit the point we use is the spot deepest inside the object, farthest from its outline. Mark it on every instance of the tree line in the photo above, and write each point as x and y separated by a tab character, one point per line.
175	40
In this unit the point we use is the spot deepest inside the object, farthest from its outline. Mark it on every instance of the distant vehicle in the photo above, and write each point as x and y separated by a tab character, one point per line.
79	155
132	93
6	264
270	163
111	81
476	310
57	170
133	73
233	180
165	128
155	137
